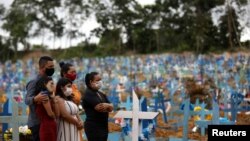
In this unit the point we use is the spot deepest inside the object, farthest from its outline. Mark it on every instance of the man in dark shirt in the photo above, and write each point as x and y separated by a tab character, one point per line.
46	68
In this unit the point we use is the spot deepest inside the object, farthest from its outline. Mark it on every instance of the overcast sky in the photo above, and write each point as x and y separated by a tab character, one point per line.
88	25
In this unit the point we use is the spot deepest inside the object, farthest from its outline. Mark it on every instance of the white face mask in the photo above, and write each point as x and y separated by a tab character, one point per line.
99	84
68	91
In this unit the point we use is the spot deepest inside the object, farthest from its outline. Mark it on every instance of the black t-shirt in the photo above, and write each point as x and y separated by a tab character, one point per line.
89	101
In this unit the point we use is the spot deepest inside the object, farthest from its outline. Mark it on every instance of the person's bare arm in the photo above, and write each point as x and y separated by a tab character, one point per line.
48	108
55	106
104	107
110	107
80	126
78	117
64	114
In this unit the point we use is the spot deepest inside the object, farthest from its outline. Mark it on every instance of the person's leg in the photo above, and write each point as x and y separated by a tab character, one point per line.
96	136
104	137
80	133
90	132
104	133
101	133
35	132
96	132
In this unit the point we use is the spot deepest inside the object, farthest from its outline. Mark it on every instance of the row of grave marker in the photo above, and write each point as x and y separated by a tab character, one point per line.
202	123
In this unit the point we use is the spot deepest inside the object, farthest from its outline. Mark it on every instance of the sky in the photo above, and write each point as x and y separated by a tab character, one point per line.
64	42
87	26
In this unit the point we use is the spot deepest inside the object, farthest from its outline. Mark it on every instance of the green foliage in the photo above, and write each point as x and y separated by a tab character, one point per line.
18	26
81	50
5	51
2	10
126	26
39	47
110	40
230	29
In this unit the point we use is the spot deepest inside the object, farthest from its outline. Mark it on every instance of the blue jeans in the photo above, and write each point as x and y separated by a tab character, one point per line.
35	132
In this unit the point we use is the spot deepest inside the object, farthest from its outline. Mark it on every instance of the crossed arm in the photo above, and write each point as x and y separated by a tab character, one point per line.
104	107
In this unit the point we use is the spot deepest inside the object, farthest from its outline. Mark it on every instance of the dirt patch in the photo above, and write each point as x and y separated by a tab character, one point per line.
34	55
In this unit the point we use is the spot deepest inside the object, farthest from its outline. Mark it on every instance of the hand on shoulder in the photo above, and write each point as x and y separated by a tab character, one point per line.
41	98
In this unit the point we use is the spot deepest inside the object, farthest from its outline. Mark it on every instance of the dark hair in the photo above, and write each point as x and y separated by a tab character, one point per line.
41	84
64	67
43	61
90	77
61	83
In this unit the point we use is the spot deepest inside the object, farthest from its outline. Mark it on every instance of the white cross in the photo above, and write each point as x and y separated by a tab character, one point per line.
135	115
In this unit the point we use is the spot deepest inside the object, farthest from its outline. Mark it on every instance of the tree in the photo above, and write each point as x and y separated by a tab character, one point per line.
46	16
28	18
167	20
18	27
77	12
183	24
5	51
230	29
118	15
198	24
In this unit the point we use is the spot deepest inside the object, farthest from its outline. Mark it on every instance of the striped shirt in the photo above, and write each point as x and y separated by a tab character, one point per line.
68	131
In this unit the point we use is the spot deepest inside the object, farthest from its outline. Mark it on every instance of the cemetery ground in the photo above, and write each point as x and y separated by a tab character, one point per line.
164	130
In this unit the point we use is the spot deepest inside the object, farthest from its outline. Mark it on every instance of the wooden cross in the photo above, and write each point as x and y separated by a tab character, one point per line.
185	119
135	115
203	122
127	105
236	99
15	120
160	103
184	122
114	100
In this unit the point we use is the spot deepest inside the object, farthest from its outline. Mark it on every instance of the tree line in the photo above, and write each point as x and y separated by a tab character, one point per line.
126	25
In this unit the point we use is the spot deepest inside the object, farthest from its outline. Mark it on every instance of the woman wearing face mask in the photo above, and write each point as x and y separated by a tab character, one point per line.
69	71
97	108
47	111
69	121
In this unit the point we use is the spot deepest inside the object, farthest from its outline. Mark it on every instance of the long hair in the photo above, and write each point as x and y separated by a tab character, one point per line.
62	82
41	84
